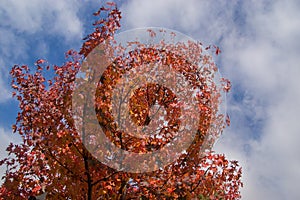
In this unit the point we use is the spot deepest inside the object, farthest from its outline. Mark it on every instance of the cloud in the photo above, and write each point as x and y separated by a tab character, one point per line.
260	43
263	62
6	138
56	17
4	92
22	22
203	19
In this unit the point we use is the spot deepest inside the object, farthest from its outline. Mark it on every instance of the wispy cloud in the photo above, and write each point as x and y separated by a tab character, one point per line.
260	43
202	19
33	20
263	62
54	17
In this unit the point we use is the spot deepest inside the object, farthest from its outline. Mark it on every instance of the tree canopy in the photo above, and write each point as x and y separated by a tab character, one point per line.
60	152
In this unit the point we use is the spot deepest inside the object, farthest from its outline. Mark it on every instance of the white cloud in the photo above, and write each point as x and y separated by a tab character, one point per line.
36	19
203	19
6	138
260	43
20	20
58	17
264	62
4	92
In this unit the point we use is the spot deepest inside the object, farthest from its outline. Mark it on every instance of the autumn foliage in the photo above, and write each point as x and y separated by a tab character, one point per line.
55	156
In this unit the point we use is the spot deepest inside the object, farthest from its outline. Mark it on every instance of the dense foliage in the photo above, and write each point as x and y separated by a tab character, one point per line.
53	157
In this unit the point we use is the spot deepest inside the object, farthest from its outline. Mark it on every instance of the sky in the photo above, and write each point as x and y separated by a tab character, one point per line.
260	44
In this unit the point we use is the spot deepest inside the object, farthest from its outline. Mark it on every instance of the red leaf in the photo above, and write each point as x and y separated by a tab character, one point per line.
227	120
218	51
111	4
40	61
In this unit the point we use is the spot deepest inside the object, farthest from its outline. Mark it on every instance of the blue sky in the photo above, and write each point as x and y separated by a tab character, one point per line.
260	43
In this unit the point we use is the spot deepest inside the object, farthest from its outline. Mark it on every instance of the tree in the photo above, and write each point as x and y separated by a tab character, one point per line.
58	153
